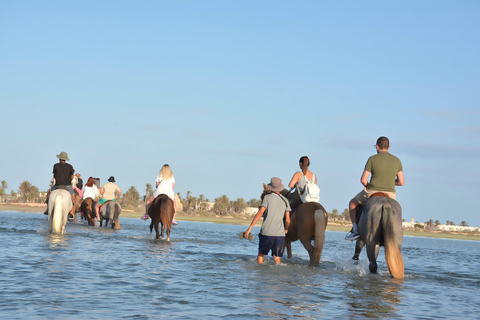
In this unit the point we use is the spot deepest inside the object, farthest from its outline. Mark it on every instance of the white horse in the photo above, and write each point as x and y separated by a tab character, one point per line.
59	206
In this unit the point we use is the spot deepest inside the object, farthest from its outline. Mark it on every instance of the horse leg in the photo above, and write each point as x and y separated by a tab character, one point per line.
307	244
358	248
157	230
288	246
320	219
371	253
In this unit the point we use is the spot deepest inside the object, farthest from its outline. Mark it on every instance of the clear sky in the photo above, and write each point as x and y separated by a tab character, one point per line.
232	93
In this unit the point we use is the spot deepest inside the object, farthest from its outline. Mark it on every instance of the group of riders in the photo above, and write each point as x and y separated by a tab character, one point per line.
384	170
64	177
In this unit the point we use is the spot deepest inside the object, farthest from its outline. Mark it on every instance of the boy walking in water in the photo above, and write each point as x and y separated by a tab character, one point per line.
274	208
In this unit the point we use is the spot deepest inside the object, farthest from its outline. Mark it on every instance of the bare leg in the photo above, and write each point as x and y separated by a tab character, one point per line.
353	210
260	258
276	259
97	205
148	203
174	209
72	212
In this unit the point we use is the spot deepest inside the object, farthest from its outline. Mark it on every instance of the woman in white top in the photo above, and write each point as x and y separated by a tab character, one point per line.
299	181
165	183
90	190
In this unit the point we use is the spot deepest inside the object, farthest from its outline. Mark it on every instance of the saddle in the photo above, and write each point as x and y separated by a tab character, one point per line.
360	207
101	207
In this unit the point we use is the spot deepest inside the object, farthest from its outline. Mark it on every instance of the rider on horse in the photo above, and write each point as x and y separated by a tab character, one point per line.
62	177
386	171
110	192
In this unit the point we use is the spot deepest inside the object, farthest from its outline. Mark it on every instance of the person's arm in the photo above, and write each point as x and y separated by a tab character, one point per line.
119	192
254	221
294	180
364	178
400	181
287	221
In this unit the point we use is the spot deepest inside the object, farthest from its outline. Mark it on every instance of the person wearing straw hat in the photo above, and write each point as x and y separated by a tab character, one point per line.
62	176
274	209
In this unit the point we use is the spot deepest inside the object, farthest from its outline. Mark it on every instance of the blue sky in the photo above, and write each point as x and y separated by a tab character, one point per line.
231	93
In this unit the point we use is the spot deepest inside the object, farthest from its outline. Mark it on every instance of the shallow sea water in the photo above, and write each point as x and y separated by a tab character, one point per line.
206	272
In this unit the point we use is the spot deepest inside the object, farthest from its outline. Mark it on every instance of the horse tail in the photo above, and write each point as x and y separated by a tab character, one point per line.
319	236
57	215
116	215
393	256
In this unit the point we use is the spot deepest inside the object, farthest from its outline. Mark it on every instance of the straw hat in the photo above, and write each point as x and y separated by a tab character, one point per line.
63	156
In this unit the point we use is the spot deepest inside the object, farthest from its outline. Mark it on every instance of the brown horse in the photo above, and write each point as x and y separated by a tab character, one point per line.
308	222
88	211
161	211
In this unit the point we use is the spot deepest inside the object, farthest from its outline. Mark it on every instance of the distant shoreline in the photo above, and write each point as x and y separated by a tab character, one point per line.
181	216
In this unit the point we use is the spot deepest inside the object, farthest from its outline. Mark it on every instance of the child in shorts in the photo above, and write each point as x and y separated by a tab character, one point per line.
274	209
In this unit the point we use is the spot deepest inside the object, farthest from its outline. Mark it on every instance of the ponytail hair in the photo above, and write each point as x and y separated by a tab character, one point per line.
304	163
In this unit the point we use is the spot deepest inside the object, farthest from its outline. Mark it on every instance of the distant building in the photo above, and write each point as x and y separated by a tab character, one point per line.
443	227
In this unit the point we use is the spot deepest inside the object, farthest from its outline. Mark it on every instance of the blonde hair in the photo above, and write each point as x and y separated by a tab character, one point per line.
166	173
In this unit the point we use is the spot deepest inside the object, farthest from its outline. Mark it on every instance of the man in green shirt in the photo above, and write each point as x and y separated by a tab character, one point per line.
386	171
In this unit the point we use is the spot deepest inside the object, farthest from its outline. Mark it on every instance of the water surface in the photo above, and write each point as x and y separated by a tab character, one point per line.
206	272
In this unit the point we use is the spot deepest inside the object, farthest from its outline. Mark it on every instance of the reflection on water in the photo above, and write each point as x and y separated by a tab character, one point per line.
207	272
373	297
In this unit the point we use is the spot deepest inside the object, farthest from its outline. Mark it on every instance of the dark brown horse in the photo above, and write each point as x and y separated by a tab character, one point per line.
161	212
307	223
88	211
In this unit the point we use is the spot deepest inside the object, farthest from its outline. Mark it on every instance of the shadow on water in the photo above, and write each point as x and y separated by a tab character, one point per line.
373	296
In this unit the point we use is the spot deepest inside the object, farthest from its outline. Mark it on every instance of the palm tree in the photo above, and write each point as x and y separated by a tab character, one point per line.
148	191
3	187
